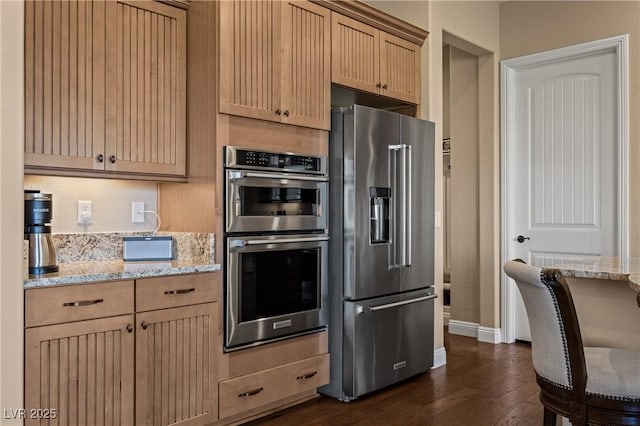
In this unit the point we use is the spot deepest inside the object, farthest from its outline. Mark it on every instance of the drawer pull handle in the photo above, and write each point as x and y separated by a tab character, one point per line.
129	328
250	393
306	376
144	325
83	303
180	291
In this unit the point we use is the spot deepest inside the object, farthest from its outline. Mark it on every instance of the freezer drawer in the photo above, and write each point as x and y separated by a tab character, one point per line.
386	340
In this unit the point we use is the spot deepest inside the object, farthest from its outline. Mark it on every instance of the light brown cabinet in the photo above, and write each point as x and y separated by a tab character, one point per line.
175	351
242	394
268	376
78	366
79	359
80	373
105	87
366	58
275	61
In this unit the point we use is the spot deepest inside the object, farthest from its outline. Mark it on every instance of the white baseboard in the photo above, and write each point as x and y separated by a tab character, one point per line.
472	329
439	357
489	335
463	328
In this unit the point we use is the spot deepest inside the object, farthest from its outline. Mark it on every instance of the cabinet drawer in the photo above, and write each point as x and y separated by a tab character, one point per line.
174	291
254	390
55	305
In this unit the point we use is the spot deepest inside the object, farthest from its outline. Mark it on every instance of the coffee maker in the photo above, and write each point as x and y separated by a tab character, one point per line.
37	215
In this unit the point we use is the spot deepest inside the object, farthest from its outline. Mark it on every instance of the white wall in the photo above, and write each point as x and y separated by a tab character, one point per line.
111	202
11	205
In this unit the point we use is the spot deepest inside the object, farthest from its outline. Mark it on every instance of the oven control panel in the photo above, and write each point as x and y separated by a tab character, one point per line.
265	160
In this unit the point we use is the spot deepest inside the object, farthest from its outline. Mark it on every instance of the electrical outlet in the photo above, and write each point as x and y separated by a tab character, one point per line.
85	212
137	212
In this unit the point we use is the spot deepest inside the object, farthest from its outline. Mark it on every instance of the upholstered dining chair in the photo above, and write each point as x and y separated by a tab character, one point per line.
587	385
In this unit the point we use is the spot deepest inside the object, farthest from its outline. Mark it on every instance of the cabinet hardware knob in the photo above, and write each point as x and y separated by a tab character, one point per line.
112	159
379	85
250	393
129	328
306	376
278	112
180	291
522	239
286	113
144	325
83	303
100	158
384	86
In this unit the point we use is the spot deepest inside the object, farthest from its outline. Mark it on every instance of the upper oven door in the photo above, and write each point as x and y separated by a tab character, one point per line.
271	202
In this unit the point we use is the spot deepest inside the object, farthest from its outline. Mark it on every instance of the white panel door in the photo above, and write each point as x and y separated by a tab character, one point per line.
566	155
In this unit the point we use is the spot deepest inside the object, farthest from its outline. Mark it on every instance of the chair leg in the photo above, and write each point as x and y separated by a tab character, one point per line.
549	417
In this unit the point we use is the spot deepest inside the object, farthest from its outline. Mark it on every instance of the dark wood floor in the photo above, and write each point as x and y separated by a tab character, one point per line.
482	384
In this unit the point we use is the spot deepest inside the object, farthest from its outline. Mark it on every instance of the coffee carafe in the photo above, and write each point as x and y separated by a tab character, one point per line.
37	215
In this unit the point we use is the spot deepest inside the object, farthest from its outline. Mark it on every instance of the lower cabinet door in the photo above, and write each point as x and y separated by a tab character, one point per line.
175	365
80	373
245	393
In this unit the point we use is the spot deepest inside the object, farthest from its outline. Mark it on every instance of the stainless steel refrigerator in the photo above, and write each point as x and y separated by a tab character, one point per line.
381	222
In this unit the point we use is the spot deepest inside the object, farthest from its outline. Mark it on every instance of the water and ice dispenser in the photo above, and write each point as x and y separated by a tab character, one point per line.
379	198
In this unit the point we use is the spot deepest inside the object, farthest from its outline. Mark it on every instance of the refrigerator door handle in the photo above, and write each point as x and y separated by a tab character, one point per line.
408	176
396	304
402	194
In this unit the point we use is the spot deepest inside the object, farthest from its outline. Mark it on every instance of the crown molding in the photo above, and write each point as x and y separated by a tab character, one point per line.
377	19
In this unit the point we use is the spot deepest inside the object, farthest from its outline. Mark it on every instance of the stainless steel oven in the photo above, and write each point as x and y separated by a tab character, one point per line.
276	242
274	192
276	287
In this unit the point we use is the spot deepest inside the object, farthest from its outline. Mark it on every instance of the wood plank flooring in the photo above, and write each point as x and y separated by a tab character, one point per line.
482	384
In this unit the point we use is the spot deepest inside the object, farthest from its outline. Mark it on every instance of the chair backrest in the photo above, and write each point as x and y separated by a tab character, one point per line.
556	344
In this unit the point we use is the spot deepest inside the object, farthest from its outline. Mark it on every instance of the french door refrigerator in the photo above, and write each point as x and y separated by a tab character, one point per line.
381	224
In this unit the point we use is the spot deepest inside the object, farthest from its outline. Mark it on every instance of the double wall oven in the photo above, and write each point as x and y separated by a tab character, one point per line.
276	243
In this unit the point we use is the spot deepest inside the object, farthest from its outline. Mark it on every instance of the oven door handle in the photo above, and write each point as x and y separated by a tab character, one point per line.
244	243
236	175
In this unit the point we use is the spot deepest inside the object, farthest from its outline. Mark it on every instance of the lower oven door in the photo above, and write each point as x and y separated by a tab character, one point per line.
276	286
268	202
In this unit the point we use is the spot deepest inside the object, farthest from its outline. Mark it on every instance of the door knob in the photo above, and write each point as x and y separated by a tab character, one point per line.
522	239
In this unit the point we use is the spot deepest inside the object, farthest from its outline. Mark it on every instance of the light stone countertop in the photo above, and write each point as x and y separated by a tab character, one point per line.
604	268
108	270
92	257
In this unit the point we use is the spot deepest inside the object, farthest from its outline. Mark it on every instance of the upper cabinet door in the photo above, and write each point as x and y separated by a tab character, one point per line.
250	59
355	54
64	84
306	72
399	68
105	85
146	82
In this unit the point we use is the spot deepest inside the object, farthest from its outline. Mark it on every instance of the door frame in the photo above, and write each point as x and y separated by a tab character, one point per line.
508	70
